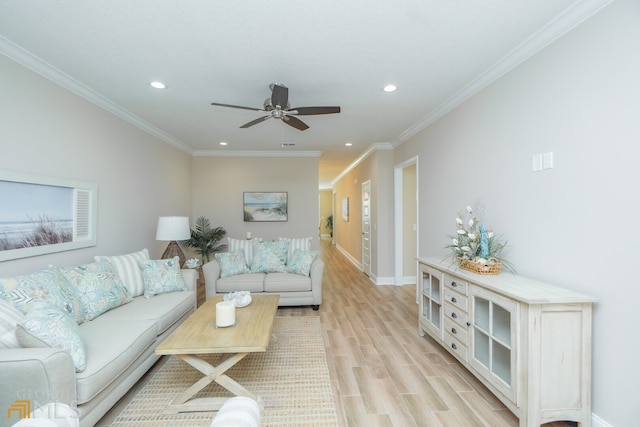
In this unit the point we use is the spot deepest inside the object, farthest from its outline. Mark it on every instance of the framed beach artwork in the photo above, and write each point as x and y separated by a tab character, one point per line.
265	206
41	215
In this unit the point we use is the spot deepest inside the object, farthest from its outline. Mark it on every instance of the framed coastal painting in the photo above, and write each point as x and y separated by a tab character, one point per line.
265	206
41	215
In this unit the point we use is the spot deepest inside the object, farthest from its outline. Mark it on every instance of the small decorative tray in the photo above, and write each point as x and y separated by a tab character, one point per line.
240	298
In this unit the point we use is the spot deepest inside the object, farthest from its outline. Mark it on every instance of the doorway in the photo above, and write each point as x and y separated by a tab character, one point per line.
406	222
366	228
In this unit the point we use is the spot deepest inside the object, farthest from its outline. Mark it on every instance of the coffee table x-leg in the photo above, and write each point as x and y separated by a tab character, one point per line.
184	401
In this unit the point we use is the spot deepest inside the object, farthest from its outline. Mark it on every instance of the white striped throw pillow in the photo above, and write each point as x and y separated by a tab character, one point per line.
128	269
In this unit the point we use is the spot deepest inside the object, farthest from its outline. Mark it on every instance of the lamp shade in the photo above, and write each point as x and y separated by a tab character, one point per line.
173	228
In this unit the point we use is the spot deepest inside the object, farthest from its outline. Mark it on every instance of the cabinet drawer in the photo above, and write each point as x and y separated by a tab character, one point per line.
456	284
455	330
456	299
454	313
454	346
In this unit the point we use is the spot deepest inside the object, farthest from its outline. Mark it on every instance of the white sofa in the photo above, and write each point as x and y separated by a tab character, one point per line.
296	276
119	344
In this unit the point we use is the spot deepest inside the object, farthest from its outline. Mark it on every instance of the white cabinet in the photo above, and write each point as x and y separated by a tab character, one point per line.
529	342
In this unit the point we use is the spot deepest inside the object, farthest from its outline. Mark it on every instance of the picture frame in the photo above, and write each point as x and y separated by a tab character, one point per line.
345	209
260	206
44	215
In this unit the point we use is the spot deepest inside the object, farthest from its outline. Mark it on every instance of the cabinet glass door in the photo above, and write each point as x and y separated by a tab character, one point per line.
431	298
492	343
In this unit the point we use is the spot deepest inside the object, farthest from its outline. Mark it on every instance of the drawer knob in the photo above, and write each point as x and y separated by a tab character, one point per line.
454	346
454	284
453	299
468	323
455	316
453	331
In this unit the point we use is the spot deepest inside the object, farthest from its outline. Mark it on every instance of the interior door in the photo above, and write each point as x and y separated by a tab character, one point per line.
366	228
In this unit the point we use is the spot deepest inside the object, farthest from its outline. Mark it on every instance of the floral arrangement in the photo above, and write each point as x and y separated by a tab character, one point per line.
475	247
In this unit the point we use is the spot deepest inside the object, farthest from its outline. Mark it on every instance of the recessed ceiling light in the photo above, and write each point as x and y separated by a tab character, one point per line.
348	144
390	88
223	143
287	144
158	85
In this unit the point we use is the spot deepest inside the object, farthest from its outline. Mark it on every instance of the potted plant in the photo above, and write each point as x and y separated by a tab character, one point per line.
204	239
330	224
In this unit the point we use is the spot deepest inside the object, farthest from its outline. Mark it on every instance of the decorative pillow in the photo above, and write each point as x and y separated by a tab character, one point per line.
162	276
300	262
232	263
98	286
10	316
245	244
128	269
45	285
269	257
49	326
304	244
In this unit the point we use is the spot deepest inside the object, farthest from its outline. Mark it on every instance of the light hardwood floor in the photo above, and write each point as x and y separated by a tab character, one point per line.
383	373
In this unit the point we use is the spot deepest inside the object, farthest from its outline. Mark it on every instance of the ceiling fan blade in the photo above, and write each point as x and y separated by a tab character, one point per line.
237	106
309	111
255	122
280	96
295	122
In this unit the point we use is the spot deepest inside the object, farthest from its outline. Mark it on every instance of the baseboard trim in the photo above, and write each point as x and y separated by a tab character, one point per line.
349	257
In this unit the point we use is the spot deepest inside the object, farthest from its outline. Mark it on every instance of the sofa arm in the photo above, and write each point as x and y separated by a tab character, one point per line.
211	271
317	269
39	375
190	277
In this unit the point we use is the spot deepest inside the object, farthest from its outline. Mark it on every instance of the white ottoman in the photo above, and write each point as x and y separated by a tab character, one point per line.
238	412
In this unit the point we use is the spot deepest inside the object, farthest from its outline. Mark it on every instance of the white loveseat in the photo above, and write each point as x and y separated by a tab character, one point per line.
151	298
286	267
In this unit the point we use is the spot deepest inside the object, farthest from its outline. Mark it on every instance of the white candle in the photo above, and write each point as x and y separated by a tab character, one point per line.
225	313
248	234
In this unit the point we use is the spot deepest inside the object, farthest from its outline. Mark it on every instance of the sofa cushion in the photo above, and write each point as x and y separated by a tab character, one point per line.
45	285
112	346
128	269
47	326
232	263
245	244
252	282
269	256
286	282
300	262
165	310
98	286
162	276
10	316
303	244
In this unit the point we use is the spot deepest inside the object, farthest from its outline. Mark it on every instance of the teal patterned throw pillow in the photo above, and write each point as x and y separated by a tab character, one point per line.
46	325
98	287
45	285
232	263
269	257
162	276
300	262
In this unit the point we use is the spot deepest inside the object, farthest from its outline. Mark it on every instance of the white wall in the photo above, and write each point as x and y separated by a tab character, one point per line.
575	225
219	183
47	131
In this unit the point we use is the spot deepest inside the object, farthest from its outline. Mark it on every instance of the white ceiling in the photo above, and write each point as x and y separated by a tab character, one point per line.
329	52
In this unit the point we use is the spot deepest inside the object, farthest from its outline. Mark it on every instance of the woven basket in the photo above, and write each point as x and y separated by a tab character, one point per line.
481	269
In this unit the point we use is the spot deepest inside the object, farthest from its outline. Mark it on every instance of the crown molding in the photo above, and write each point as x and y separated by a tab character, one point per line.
370	150
556	28
49	72
231	153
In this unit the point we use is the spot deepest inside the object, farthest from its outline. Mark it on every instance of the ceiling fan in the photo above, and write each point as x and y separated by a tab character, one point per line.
278	107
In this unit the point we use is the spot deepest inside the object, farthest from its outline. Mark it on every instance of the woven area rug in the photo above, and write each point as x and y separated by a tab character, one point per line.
292	378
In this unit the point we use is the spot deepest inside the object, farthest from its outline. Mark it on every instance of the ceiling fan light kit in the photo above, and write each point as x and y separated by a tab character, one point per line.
278	107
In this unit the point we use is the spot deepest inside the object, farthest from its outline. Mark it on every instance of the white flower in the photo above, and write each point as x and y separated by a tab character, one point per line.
471	223
466	248
472	236
469	209
489	234
462	232
455	242
458	221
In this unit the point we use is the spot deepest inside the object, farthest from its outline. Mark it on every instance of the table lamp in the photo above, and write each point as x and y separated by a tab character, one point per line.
173	228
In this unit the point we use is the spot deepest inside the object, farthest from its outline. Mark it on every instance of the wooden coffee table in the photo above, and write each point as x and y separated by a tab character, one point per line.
197	335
